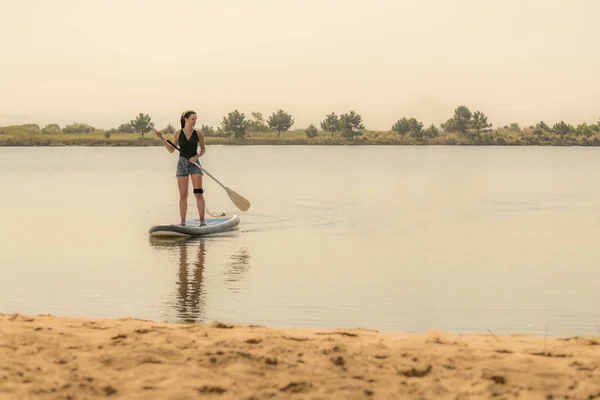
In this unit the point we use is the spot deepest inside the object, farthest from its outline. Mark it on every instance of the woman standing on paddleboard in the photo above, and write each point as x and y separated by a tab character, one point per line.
187	139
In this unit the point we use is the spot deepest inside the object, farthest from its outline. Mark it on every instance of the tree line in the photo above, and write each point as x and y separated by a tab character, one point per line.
464	123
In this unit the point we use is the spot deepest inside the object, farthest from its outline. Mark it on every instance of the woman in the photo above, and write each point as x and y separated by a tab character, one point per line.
187	139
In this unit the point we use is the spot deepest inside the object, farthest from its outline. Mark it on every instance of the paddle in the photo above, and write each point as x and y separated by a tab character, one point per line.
239	201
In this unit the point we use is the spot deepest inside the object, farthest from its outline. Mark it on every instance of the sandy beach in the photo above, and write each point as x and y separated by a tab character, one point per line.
76	358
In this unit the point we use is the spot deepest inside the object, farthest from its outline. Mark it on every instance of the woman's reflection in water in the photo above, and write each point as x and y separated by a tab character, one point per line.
191	302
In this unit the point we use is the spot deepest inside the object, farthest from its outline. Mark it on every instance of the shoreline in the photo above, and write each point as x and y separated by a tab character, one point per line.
21	138
44	356
250	142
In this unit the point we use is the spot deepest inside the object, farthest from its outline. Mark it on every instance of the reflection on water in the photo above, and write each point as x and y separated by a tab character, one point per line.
236	268
190	298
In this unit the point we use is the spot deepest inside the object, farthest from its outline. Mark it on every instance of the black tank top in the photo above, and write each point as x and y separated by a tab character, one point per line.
189	148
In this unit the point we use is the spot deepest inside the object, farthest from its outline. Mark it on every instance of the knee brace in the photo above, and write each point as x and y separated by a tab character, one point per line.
199	190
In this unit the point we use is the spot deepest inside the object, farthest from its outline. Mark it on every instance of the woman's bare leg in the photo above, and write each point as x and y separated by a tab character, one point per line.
182	183
197	183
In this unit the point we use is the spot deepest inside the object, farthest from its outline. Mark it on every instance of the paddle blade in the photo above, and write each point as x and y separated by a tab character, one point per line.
239	201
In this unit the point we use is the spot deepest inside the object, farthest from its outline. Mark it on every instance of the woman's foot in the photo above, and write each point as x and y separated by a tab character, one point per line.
202	223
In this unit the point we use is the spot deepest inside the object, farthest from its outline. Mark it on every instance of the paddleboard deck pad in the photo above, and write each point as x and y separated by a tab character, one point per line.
192	227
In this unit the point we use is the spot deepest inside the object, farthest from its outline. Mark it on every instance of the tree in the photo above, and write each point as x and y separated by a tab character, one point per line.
257	123
542	125
584	130
311	131
515	127
235	123
140	123
169	129
412	126
280	121
351	125
561	128
479	122
331	123
208	130
51	129
460	122
416	128
431	131
78	127
401	127
126	128
32	129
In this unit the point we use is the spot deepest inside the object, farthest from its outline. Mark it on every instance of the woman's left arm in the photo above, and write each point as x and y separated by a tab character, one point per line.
202	147
202	143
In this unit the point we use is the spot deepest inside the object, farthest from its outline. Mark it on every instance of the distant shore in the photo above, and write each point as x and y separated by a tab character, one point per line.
368	139
54	357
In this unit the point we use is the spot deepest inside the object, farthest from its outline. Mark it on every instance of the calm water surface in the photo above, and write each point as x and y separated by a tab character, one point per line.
463	239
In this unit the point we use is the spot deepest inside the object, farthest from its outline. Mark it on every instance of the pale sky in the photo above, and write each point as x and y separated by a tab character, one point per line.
103	61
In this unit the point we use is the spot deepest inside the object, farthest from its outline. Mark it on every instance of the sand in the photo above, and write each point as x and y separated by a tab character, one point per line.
75	358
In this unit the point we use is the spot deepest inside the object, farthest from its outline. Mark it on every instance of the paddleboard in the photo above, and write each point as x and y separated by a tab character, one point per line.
192	227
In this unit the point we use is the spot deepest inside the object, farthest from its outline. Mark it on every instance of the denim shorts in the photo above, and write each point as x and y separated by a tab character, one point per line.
185	167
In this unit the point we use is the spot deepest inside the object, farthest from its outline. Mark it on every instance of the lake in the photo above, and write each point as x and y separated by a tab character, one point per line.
393	238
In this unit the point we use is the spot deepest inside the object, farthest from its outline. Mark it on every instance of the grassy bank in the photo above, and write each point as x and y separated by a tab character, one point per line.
23	136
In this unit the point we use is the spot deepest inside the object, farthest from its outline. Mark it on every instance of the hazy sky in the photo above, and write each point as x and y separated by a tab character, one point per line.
103	61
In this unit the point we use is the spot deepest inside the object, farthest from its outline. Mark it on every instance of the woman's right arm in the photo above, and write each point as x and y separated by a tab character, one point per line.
167	145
